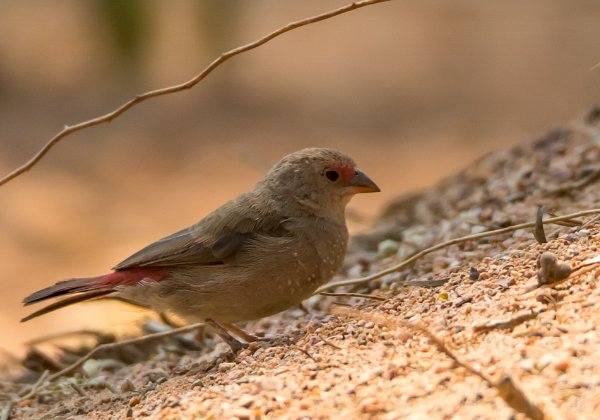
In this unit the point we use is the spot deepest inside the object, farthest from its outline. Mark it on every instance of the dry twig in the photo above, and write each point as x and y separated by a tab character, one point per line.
506	388
356	295
6	411
77	388
50	337
110	346
301	350
508	323
36	386
68	130
418	255
538	232
329	343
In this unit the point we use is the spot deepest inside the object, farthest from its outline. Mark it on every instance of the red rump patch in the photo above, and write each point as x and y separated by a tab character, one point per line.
132	276
346	171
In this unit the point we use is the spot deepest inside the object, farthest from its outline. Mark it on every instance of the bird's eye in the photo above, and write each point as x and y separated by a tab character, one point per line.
332	175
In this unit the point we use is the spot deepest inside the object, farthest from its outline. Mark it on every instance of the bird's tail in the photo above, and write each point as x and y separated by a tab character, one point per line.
89	288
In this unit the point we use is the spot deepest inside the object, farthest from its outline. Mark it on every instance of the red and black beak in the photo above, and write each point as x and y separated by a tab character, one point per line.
360	183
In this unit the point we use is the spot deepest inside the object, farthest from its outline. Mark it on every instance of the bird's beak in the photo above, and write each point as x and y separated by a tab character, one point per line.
360	183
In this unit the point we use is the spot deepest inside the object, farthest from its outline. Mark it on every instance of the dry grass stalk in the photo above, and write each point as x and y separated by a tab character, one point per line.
357	295
45	379
405	263
6	411
508	323
506	388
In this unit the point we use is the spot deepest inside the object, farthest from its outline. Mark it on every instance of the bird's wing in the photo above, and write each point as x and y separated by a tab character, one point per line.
212	241
179	248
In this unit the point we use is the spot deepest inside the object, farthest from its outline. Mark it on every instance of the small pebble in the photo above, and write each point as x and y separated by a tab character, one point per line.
246	401
241	413
126	385
225	366
387	248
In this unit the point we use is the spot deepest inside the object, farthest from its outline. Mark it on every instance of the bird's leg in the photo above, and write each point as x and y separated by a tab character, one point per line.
167	320
222	332
303	308
246	336
249	338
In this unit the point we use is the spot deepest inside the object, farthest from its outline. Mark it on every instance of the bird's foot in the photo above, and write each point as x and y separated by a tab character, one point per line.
252	338
234	344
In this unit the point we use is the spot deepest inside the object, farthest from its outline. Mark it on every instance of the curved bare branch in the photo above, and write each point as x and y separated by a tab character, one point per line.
68	130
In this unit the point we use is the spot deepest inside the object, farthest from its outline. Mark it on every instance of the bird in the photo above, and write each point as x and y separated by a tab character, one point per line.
259	254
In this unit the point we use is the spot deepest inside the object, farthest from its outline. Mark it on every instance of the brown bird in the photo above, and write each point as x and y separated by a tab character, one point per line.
257	255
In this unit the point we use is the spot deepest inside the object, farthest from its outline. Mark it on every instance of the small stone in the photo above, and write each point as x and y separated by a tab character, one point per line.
246	401
241	413
506	282
527	364
90	368
269	384
235	374
387	248
134	401
126	385
225	366
196	383
155	375
370	374
562	365
583	232
473	274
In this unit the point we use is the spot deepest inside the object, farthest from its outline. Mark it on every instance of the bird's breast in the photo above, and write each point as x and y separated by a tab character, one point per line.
324	245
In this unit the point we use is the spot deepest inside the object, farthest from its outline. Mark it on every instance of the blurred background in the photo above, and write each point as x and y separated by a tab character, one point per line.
413	90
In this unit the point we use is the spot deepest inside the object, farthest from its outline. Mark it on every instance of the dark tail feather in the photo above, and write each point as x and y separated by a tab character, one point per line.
65	287
91	288
64	302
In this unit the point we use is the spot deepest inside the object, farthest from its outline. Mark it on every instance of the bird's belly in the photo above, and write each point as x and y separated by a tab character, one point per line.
242	296
263	282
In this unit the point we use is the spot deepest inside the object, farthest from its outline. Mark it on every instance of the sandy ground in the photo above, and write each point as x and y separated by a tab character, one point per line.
354	357
412	90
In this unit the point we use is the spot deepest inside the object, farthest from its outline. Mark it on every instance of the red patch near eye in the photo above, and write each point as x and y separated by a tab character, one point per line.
346	171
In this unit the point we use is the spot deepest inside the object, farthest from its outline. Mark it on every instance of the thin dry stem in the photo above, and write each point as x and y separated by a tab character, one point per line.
356	295
111	346
59	335
6	411
38	385
421	254
512	395
301	350
68	130
538	232
329	343
508	323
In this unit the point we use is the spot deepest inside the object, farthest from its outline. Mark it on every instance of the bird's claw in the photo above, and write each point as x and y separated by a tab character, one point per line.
234	344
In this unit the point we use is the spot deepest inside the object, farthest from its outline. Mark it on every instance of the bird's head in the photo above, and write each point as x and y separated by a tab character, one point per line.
319	180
